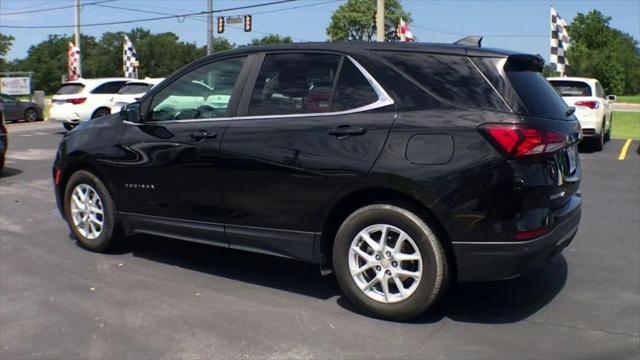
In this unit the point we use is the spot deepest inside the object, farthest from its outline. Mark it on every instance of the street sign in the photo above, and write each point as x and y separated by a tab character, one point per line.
235	20
15	85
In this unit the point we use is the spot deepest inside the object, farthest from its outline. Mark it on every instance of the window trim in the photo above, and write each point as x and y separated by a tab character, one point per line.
384	100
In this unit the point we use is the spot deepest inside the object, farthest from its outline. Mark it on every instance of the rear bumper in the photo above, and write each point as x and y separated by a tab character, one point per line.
490	261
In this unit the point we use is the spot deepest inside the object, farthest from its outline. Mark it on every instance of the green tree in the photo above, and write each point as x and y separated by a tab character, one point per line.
5	45
271	39
604	53
222	44
354	20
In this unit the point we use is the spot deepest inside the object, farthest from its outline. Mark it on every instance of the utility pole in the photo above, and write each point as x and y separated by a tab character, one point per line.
210	27
77	36
380	21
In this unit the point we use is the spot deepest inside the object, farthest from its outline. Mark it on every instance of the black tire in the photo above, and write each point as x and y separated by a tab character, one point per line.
110	233
68	126
598	141
100	112
433	281
607	135
30	115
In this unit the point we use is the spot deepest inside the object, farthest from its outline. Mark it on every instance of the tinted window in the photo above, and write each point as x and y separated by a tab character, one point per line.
294	84
137	88
537	95
111	87
7	99
452	78
352	90
70	89
599	90
571	88
199	94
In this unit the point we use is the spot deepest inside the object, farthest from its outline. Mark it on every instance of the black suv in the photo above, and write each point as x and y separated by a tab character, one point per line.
401	167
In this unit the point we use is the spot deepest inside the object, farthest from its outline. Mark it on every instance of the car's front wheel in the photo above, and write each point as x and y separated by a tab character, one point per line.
90	212
389	262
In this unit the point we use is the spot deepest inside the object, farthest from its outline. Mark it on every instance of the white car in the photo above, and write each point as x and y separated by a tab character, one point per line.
131	91
593	108
83	100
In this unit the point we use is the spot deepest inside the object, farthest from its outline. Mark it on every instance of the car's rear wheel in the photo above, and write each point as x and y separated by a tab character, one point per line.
389	262
30	115
100	113
90	212
607	134
598	141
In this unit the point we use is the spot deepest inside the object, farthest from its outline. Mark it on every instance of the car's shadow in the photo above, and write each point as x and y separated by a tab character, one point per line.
491	302
9	172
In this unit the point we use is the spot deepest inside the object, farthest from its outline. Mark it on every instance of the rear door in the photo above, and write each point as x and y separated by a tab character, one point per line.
101	96
310	124
12	110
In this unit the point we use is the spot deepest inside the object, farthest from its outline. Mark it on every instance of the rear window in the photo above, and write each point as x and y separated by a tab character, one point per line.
70	89
571	88
111	87
138	88
450	77
537	95
519	80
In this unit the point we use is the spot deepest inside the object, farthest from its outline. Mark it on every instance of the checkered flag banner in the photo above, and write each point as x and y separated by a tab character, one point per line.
560	42
73	58
129	59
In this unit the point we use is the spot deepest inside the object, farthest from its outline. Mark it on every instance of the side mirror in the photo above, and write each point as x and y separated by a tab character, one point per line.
612	98
131	112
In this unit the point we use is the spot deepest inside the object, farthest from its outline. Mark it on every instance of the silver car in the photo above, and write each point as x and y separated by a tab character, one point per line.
15	109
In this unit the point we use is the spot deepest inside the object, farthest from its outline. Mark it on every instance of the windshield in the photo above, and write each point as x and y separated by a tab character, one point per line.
137	88
69	89
571	88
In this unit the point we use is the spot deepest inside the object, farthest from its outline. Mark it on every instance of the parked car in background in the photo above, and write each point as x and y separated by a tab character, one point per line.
420	165
131	91
4	140
592	107
84	99
15	109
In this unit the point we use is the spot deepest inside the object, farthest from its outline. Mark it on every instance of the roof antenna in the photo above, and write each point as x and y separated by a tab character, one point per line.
470	41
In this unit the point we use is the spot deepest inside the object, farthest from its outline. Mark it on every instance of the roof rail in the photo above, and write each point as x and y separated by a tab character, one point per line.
470	41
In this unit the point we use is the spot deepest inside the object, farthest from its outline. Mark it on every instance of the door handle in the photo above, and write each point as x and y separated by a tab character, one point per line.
203	134
347	130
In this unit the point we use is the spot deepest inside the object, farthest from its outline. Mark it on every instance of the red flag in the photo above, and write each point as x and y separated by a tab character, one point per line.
403	32
73	57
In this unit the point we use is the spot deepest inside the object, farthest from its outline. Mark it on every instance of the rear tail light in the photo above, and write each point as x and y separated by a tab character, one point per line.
76	101
591	104
519	140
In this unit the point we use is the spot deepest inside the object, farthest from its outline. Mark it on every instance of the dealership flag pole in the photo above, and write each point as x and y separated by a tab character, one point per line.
77	38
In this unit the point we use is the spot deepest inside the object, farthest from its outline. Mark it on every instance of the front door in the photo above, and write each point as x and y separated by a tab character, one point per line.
170	181
312	124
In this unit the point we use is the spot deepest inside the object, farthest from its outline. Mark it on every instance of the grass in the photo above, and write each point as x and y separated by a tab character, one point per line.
629	99
626	125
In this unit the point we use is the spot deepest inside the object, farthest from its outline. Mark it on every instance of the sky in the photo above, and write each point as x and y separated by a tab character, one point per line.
510	24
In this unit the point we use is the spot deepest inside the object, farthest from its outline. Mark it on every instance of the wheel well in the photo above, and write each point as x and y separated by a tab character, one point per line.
356	200
75	167
98	109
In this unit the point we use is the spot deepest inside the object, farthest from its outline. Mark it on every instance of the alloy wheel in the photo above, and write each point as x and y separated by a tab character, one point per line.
30	115
385	263
87	211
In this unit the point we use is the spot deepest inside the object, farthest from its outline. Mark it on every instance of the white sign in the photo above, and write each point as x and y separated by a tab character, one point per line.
15	85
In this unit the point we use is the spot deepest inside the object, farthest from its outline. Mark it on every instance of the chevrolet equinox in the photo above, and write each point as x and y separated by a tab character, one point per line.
400	167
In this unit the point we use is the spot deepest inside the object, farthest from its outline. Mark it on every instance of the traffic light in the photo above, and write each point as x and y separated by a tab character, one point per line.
247	23
220	24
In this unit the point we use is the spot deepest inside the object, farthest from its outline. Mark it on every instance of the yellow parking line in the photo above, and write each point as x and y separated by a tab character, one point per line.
625	148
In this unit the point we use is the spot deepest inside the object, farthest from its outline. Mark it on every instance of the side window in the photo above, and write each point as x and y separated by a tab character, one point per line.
353	89
294	84
110	87
202	93
599	90
451	77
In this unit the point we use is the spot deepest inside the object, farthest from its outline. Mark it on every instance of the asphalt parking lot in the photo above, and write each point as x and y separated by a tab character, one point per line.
161	298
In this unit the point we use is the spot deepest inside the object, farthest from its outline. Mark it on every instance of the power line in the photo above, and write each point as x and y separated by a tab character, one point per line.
53	8
179	17
487	36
